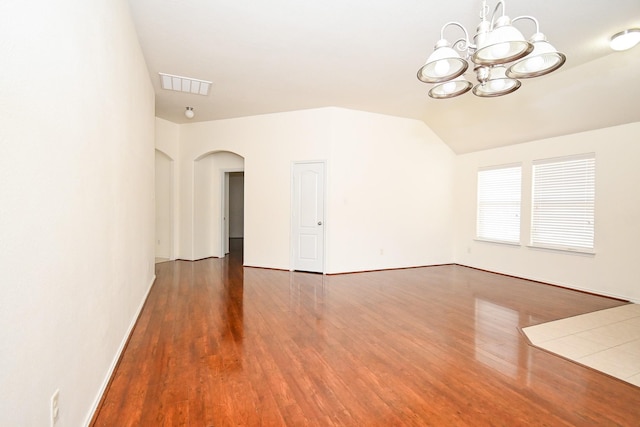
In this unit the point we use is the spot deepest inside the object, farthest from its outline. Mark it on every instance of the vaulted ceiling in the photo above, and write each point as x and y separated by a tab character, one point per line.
283	55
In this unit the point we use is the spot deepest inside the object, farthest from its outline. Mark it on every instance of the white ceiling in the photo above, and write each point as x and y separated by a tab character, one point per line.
282	55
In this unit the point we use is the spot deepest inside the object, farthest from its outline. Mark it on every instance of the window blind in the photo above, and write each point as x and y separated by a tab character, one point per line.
564	203
498	217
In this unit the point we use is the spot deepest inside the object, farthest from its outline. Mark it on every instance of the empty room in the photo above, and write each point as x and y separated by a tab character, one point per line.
356	213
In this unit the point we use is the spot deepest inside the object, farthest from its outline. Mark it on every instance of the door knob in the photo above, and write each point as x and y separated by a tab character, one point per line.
319	222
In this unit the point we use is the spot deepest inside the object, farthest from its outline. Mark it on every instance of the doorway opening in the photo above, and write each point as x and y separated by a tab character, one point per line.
233	212
211	209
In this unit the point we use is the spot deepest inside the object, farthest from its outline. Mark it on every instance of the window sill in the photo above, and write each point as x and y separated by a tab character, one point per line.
576	251
500	242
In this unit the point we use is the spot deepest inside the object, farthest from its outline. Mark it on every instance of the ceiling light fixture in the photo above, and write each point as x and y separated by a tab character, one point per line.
625	39
499	54
188	113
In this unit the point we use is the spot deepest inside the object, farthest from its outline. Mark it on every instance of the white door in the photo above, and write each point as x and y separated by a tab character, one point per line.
308	217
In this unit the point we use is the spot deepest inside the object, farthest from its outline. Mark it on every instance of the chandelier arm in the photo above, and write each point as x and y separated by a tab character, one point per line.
535	21
466	43
461	45
495	9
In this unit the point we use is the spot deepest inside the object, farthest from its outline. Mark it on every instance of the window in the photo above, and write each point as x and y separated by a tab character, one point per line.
563	203
499	204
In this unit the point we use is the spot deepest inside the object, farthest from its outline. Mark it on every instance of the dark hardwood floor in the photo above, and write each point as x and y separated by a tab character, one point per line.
220	345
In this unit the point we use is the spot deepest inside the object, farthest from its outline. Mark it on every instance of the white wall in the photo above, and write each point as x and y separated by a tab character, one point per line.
614	269
268	144
389	192
392	202
167	136
76	211
164	204
166	141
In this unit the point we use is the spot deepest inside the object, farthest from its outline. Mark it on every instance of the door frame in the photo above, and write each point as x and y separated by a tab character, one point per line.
324	214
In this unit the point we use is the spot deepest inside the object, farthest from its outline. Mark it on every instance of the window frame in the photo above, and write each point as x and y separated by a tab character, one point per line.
570	229
481	213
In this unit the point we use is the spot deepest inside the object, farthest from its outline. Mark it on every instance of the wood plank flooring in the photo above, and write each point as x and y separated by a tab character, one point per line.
222	345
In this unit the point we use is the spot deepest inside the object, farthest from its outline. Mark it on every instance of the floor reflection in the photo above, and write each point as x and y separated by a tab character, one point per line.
308	291
493	346
233	300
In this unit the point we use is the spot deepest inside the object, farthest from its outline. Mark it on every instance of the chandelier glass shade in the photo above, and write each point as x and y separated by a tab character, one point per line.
499	55
443	64
501	45
450	88
542	60
496	84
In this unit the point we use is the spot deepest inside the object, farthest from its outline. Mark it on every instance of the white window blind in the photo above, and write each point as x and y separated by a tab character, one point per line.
563	203
499	190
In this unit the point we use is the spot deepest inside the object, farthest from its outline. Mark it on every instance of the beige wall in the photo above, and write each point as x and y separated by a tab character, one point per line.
167	135
164	167
392	201
614	269
389	186
268	144
390	194
76	210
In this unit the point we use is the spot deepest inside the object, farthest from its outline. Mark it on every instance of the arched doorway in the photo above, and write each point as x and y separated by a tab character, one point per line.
211	202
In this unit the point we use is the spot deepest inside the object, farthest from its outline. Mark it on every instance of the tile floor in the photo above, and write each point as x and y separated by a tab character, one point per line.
606	340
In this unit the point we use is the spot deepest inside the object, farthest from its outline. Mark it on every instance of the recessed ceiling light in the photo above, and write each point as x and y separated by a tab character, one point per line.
625	39
184	84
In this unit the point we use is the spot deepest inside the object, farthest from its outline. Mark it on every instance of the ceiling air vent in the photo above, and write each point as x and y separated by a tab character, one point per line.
184	84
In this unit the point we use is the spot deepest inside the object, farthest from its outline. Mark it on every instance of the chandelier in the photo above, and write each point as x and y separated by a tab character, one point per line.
499	53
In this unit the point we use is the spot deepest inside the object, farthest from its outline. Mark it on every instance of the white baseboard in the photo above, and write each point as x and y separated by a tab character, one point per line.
114	362
569	286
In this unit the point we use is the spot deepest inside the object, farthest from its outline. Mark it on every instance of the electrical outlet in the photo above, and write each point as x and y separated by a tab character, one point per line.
55	408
